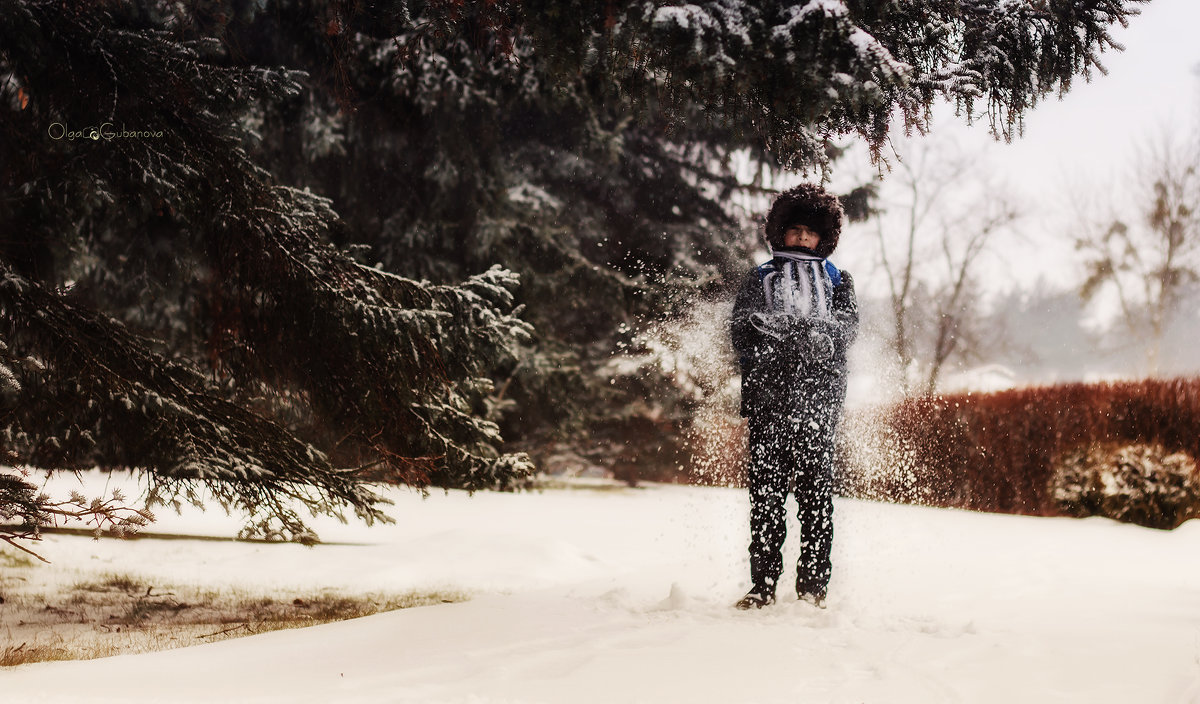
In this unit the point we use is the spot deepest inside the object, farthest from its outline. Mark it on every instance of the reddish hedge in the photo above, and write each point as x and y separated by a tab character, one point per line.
997	451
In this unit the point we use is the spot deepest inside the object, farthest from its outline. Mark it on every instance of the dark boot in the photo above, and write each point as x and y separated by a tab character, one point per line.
817	599
756	599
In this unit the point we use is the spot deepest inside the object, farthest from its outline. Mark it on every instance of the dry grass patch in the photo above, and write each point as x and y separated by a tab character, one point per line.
116	614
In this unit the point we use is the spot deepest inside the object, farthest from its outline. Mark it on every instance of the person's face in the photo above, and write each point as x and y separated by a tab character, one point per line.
801	236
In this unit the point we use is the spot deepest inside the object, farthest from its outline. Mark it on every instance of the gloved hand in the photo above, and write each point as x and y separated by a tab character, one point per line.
779	326
812	340
806	339
819	346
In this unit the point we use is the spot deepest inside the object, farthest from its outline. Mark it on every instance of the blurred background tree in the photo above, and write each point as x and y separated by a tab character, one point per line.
1146	250
943	214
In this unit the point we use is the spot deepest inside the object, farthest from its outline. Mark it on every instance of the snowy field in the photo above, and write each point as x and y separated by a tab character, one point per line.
624	595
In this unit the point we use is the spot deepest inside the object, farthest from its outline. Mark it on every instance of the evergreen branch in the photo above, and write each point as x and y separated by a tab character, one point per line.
183	429
12	540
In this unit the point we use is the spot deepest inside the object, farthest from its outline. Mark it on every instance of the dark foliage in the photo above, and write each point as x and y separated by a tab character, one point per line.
168	305
1135	483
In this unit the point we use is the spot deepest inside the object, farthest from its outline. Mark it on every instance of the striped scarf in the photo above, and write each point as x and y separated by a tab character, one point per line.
800	286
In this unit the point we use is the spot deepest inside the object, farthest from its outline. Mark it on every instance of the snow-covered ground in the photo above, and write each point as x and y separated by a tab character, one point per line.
624	595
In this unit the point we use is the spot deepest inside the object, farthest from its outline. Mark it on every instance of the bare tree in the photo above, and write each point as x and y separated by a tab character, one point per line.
1148	256
958	331
932	234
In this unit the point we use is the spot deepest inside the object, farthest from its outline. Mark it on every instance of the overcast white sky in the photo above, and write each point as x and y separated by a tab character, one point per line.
1085	139
1151	84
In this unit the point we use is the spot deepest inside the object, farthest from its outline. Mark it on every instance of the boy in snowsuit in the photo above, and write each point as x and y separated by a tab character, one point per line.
794	319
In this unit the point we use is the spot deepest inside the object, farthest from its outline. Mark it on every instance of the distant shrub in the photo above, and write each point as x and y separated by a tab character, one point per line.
1142	484
1017	451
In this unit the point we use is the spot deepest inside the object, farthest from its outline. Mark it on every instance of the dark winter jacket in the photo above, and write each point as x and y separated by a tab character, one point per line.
786	353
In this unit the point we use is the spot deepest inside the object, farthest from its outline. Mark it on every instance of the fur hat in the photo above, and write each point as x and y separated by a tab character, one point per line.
811	206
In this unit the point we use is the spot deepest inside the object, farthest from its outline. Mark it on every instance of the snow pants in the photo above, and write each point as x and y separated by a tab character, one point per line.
793	451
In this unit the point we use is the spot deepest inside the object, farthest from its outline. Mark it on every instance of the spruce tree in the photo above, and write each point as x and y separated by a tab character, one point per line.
593	149
167	304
